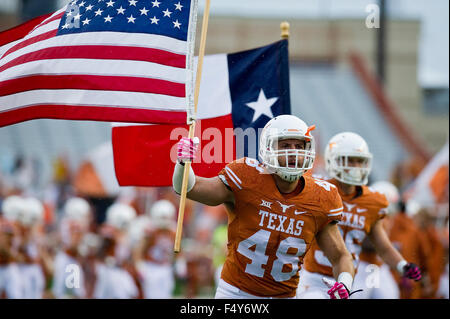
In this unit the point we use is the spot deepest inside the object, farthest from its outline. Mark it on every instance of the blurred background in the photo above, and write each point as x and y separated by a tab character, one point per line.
385	79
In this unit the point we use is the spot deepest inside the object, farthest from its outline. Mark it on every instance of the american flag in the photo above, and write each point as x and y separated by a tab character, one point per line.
103	60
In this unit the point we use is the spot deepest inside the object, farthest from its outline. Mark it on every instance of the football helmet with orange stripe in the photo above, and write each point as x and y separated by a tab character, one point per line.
347	159
292	161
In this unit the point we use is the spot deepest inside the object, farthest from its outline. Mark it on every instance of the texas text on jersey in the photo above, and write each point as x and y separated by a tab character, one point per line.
269	232
361	211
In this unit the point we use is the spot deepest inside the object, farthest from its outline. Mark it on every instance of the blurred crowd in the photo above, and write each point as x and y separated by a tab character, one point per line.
58	242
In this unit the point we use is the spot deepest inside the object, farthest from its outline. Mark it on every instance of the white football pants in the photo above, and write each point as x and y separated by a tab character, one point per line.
311	286
227	291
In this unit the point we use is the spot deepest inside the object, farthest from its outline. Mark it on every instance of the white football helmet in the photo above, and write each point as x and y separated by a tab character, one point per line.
337	153
120	215
12	207
285	127
34	212
76	208
162	213
391	192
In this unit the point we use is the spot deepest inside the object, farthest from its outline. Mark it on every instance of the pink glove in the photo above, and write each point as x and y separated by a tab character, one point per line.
412	271
187	148
337	291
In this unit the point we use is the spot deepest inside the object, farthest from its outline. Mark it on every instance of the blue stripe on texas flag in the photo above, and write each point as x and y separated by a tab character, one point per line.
259	88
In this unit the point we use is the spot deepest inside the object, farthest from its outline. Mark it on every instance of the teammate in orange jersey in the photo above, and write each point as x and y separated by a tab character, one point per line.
407	238
275	213
348	162
435	259
371	271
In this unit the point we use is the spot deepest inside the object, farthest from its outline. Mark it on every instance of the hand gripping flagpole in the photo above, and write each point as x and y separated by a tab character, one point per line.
191	122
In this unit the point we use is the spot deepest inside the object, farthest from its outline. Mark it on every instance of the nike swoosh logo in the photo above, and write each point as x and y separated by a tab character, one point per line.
361	210
299	213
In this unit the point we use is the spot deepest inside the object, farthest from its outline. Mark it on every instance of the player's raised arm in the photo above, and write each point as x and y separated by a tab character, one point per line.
208	191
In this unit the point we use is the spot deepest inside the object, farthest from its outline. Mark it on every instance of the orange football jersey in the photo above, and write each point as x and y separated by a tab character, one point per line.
435	262
361	211
269	232
407	238
411	243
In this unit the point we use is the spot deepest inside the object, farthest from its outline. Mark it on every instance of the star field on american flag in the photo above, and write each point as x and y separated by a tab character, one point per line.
163	17
102	60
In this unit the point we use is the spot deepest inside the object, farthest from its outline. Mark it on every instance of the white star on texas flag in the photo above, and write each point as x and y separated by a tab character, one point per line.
262	106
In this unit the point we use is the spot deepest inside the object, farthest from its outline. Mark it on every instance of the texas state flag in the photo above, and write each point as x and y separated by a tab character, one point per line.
239	94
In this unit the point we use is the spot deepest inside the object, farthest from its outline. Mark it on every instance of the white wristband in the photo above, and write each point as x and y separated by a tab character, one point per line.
177	178
347	279
400	266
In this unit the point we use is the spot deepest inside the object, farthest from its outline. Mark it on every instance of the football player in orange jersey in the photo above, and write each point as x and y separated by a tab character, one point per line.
425	219
275	212
348	162
371	270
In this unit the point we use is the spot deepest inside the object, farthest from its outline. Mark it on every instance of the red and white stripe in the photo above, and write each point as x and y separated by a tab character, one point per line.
91	76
